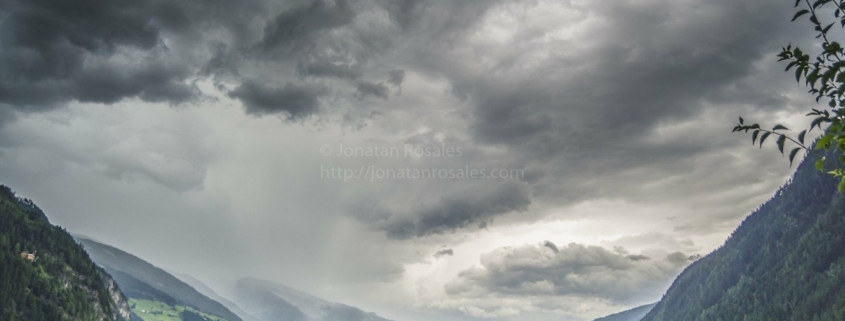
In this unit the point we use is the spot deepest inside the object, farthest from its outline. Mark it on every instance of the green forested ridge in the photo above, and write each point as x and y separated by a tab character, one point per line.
786	261
61	283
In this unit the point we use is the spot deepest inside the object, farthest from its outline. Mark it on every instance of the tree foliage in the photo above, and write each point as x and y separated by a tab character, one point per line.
786	261
824	75
61	283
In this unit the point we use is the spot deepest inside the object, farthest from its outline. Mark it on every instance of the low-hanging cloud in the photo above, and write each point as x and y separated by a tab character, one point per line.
534	271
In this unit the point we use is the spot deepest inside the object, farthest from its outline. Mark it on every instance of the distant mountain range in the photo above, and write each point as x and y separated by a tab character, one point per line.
207	291
269	301
253	299
143	281
635	314
785	262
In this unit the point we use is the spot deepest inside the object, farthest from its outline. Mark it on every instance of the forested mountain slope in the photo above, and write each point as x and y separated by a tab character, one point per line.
45	274
786	261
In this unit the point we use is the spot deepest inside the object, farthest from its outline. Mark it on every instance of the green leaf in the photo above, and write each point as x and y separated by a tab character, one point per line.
781	141
754	137
741	121
763	138
841	184
800	13
779	126
792	155
801	136
824	142
820	164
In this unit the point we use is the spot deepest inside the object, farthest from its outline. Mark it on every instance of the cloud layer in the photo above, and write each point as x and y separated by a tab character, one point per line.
616	116
535	272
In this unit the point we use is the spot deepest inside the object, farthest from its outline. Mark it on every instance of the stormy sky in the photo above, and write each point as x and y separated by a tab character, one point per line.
425	160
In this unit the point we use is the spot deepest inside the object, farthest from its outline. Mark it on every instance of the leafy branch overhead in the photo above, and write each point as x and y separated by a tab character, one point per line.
824	76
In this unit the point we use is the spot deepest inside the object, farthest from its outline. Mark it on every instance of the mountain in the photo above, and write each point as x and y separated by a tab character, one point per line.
45	274
268	301
207	291
786	261
635	314
143	281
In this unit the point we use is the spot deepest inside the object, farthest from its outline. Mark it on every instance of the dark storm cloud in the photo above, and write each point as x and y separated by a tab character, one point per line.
294	100
396	77
57	51
445	252
573	270
321	68
301	23
441	20
369	88
583	109
647	67
452	212
155	83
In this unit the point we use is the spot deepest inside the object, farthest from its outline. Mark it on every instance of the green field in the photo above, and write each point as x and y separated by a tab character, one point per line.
159	311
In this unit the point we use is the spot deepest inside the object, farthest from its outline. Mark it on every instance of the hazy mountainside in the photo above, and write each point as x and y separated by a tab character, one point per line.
786	261
207	291
635	314
45	274
143	281
268	301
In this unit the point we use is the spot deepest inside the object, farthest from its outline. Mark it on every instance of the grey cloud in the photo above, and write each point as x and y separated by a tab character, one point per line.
330	69
404	12
369	88
440	20
301	23
396	77
472	208
443	253
551	246
654	240
638	257
295	100
48	48
591	104
575	270
681	258
637	75
109	83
